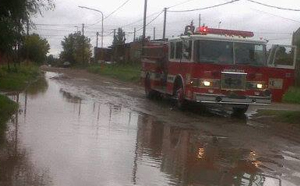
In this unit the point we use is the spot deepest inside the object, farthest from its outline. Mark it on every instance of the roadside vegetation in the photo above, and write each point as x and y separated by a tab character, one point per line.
281	116
7	108
292	95
125	72
13	79
16	79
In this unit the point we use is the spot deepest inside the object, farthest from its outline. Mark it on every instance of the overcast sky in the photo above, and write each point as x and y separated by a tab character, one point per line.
273	24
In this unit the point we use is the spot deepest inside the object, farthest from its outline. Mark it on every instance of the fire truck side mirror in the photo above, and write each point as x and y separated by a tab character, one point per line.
282	56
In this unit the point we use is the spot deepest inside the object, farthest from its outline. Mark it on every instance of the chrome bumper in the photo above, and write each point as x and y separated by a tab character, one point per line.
223	99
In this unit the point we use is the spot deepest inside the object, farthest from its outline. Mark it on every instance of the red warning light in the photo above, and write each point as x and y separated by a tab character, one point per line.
205	30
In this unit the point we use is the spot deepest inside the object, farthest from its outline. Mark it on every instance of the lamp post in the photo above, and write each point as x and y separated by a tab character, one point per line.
76	28
84	7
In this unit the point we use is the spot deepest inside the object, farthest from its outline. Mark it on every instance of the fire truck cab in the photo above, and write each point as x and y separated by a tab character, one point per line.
216	66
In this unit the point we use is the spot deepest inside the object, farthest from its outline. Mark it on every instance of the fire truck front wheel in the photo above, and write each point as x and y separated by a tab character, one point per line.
150	93
240	110
179	95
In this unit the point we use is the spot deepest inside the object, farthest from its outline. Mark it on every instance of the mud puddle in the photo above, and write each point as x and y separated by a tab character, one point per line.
63	136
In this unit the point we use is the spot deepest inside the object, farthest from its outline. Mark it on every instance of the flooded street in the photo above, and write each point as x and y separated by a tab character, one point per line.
75	131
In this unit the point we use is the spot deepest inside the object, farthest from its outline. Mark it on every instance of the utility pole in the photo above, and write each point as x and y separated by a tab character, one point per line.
83	29
27	26
114	34
134	32
199	20
96	49
153	33
144	24
27	51
165	21
97	35
83	43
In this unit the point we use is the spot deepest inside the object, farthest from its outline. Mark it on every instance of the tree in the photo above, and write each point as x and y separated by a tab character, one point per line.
76	49
119	39
14	16
35	48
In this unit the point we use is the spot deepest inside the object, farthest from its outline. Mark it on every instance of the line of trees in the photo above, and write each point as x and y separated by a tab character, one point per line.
15	16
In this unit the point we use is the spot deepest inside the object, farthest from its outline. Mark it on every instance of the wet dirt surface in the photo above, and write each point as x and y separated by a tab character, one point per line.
81	129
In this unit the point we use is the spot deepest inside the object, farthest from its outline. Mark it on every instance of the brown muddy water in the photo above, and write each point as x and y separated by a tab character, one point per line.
63	137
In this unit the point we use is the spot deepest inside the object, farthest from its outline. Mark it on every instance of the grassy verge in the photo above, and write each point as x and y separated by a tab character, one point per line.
292	95
125	72
7	108
282	116
17	79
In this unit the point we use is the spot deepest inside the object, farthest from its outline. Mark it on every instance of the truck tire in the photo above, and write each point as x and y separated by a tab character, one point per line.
150	93
179	95
240	110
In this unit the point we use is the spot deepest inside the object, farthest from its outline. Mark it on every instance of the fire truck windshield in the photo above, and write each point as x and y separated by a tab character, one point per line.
208	51
226	52
248	53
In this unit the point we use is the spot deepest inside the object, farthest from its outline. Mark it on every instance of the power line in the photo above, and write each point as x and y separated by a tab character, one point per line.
205	8
158	12
150	21
275	39
117	9
140	19
110	13
51	24
276	15
271	6
180	3
274	33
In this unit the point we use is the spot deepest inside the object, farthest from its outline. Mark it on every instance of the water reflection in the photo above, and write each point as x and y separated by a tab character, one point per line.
192	157
16	168
37	88
78	139
69	97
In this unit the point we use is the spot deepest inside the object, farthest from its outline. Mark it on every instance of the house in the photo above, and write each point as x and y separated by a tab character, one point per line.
103	54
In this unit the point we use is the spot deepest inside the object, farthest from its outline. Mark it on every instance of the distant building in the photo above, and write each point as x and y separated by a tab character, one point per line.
296	40
135	51
128	52
103	54
296	36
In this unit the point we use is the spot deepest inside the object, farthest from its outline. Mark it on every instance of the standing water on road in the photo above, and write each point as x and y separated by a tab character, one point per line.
63	137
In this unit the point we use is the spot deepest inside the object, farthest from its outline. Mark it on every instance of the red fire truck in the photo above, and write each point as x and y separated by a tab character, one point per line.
218	66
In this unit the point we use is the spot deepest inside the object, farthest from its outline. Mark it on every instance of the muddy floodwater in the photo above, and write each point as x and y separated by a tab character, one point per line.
70	135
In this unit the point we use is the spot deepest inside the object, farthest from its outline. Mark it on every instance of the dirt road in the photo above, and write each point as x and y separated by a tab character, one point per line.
90	130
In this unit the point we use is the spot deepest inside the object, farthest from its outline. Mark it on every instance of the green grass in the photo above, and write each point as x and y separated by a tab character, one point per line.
7	108
285	116
292	95
124	72
17	79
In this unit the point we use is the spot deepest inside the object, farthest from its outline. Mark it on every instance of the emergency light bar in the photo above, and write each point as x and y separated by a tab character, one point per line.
203	30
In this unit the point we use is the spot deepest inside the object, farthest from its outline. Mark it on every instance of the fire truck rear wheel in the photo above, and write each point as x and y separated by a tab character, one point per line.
150	93
240	110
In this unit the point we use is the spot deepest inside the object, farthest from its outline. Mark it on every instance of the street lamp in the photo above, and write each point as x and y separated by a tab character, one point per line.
76	28
102	21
